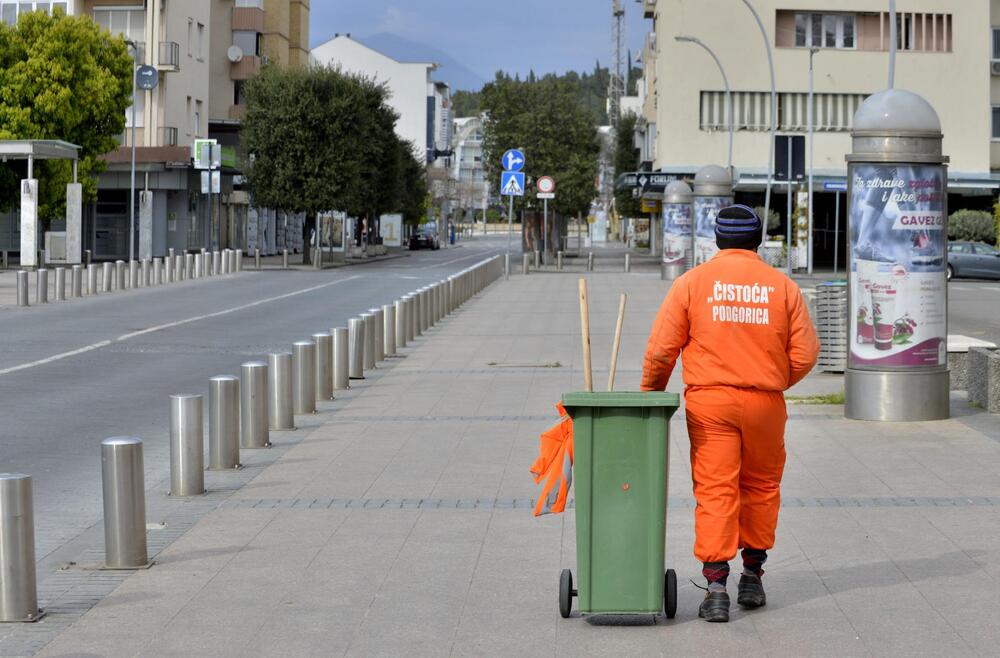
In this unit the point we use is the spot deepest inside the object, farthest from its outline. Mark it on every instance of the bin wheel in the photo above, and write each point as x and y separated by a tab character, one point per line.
670	593
565	593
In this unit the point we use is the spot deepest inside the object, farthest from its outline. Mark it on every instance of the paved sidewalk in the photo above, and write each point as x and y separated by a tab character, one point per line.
400	524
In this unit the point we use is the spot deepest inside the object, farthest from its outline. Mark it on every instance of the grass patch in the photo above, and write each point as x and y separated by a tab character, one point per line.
826	398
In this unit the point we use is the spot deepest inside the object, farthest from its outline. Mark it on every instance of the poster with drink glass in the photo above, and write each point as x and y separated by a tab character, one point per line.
705	210
677	233
898	241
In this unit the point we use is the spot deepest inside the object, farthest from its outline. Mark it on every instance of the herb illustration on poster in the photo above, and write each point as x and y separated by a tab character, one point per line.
676	233
706	208
898	315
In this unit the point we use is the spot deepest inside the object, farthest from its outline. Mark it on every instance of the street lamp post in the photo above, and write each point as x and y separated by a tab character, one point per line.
774	116
809	115
725	82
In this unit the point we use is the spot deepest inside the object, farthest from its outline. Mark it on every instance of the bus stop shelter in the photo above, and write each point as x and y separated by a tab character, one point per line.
46	149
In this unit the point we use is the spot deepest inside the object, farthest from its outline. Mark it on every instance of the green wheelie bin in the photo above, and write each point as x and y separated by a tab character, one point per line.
621	452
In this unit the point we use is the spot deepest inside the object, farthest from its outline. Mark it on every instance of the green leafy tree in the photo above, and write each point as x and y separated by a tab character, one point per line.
626	159
972	225
61	78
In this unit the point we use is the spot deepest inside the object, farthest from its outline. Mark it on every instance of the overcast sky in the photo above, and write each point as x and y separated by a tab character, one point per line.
486	35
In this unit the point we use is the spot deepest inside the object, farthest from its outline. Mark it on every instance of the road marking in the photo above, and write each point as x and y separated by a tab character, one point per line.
169	325
449	262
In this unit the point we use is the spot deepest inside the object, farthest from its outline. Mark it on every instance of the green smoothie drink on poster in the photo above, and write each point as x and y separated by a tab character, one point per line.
898	315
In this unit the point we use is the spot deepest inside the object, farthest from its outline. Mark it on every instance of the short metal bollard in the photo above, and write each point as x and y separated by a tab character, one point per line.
401	322
87	256
157	271
628	262
92	279
524	264
324	366
356	348
341	359
426	304
279	392
18	590
223	423
378	317
388	330
60	284
537	259
168	269
108	277
42	286
199	266
559	260
227	262
304	377
187	445
123	484
145	276
368	344
256	259
506	266
590	261
284	259
254	427
216	263
121	281
76	285
188	266
179	267
239	260
170	252
133	274
413	313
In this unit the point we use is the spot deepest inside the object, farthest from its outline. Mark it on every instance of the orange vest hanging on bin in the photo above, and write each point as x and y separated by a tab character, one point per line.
555	465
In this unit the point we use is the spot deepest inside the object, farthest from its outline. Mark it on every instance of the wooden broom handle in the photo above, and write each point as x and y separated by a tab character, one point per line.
617	343
588	376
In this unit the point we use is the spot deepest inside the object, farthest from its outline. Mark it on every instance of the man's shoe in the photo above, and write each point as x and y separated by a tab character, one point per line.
751	592
715	607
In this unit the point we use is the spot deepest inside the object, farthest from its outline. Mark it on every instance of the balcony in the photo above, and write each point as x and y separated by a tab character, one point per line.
649	8
248	19
246	68
168	136
255	4
170	56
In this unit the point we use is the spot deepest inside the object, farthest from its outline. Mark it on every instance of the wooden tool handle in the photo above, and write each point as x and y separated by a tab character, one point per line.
588	376
617	343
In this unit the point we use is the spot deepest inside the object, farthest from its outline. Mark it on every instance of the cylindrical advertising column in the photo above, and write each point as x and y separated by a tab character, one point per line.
713	191
897	367
677	246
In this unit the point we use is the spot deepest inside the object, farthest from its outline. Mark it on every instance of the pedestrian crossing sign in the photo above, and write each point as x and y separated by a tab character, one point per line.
512	183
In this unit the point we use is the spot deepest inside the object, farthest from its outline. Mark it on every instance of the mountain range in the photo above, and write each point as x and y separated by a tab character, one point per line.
450	70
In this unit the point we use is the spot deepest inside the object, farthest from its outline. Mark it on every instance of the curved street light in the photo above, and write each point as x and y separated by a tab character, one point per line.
774	119
725	81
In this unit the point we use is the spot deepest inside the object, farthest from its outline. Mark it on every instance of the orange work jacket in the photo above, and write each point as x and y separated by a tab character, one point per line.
738	322
555	465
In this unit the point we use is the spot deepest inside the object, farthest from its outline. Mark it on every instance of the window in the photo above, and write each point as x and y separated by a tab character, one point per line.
921	32
201	40
984	250
197	119
248	42
125	21
188	115
996	123
238	89
824	30
958	248
9	11
751	111
996	43
190	35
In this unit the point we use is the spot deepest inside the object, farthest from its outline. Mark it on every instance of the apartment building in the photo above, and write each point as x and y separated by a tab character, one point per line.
945	54
471	191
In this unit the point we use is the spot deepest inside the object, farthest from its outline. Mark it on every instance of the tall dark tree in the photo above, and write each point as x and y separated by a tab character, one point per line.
626	159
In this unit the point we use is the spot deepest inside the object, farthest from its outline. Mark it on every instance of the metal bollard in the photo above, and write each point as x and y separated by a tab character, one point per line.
256	259
524	264
60	284
389	330
425	309
368	349
42	286
341	359
168	269
92	279
506	266
187	445
188	266
356	348
324	366
76	286
133	274
124	489
157	271
378	317
120	280
284	259
225	261
179	267
216	263
22	287
414	314
145	276
279	392
442	307
223	423
170	253
239	260
199	266
400	316
304	377
254	432
537	259
628	262
18	590
559	262
590	261
107	277
86	256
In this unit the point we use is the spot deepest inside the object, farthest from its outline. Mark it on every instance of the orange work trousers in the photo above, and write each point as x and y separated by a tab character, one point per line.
737	459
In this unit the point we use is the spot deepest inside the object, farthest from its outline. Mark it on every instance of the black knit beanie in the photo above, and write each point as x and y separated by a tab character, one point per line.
738	227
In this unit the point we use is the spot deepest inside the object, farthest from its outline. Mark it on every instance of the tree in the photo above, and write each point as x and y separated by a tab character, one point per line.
62	78
626	159
465	103
971	225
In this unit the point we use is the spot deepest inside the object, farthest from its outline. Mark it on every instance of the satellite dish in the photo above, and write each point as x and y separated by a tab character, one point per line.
235	54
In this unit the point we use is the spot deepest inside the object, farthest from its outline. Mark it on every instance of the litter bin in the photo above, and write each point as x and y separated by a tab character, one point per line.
621	453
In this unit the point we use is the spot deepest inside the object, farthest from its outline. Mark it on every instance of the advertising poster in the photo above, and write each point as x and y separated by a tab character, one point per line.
391	230
705	210
898	314
677	233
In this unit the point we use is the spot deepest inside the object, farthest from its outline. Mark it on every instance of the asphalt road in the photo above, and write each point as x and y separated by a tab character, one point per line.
974	309
73	374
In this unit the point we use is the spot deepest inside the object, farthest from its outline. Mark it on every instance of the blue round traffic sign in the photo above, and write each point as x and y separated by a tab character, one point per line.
513	160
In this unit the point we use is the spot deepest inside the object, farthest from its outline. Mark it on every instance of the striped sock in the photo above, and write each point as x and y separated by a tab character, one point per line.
716	573
753	561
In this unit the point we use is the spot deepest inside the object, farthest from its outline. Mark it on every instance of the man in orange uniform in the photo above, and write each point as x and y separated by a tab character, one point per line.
745	335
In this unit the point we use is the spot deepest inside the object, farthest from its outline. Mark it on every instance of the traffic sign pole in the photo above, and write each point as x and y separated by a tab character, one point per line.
510	235
545	230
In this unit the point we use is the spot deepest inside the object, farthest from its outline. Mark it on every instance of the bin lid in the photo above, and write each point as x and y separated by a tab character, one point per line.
621	399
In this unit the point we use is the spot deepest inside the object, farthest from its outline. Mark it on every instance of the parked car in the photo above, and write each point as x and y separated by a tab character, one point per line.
973	259
425	238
